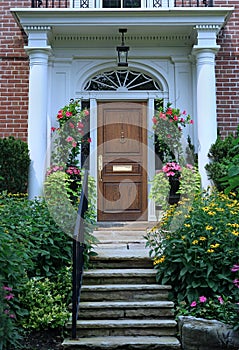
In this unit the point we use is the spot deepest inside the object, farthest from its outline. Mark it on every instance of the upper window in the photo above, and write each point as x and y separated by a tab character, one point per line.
121	3
122	80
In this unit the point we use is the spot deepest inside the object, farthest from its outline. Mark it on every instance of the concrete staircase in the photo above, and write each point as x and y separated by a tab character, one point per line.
122	307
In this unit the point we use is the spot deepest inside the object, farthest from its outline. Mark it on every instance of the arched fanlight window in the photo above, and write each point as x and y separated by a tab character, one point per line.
122	80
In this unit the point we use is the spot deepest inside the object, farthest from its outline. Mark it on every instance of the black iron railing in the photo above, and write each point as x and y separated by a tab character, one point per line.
78	253
85	3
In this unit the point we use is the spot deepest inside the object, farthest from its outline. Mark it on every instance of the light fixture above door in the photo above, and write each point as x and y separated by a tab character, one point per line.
122	50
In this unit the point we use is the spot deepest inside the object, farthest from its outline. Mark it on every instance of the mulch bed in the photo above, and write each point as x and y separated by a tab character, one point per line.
44	340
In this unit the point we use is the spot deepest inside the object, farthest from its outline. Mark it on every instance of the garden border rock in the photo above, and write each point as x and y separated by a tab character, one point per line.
201	334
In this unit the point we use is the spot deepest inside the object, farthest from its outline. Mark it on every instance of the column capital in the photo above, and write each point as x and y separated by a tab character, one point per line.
206	37
38	36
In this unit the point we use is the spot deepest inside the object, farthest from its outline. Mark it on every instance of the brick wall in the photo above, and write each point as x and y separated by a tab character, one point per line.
15	70
14	74
227	72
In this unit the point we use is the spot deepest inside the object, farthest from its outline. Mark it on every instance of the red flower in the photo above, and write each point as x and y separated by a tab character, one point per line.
169	111
53	129
89	139
154	119
86	112
191	121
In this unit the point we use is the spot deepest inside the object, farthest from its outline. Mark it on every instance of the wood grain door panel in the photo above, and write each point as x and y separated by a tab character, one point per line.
122	144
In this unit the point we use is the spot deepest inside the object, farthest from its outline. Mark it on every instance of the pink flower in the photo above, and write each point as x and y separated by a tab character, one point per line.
191	121
169	136
53	129
68	114
182	120
193	304
69	139
162	116
154	119
80	125
175	118
12	316
74	144
220	300
235	268
170	173
189	166
236	282
202	299
7	288
89	139
86	112
71	125
9	296
184	112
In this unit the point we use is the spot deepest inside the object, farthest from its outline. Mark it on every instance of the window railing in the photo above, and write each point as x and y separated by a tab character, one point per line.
119	3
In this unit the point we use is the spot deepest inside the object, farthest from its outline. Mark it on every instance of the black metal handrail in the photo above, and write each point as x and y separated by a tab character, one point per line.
85	3
78	253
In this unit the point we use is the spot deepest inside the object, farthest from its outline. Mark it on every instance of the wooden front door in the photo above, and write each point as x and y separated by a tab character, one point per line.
122	161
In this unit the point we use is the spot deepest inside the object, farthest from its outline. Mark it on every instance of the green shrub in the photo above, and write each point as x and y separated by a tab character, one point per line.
30	226
195	247
9	335
14	163
219	308
221	154
47	301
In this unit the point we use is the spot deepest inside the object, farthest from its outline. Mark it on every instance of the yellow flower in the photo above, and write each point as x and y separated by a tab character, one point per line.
210	250
159	261
215	245
220	209
187	216
187	225
195	241
205	208
202	238
211	213
235	233
208	227
183	237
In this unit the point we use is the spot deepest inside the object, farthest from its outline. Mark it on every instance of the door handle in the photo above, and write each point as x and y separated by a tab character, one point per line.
100	166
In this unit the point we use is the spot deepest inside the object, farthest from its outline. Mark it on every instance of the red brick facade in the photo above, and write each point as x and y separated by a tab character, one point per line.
15	70
14	74
227	72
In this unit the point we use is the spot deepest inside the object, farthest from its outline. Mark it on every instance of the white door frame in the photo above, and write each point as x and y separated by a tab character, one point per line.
142	96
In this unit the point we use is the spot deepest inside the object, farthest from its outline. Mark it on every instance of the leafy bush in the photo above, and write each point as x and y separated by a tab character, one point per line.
195	246
222	155
220	308
9	335
14	163
31	228
47	301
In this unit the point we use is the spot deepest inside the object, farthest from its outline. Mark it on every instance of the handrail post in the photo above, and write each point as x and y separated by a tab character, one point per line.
78	253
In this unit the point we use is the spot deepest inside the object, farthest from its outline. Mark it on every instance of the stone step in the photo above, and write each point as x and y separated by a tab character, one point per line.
126	327
119	276
123	343
117	259
127	292
125	309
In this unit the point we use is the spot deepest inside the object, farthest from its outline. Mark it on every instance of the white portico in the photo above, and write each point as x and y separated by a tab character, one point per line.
175	47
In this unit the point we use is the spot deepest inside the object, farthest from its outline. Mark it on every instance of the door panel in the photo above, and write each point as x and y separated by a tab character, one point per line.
122	154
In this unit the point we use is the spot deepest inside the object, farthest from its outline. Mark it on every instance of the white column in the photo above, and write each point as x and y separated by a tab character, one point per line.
205	52
37	118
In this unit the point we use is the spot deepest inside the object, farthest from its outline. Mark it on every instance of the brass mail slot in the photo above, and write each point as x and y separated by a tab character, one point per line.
122	168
